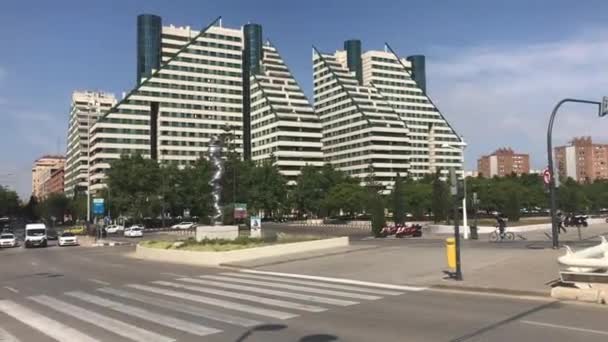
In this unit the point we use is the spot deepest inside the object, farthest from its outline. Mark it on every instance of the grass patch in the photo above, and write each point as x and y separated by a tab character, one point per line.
221	245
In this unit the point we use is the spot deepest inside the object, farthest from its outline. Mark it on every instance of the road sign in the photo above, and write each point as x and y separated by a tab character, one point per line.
98	206
604	106
547	176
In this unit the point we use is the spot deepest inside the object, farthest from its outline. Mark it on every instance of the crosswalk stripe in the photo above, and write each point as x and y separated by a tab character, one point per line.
42	323
216	302
239	295
168	321
294	287
113	325
293	295
181	307
5	336
340	280
314	283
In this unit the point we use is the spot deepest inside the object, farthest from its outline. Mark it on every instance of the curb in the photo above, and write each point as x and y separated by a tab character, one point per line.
491	291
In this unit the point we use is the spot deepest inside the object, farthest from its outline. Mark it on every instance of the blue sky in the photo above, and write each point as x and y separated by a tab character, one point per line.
494	68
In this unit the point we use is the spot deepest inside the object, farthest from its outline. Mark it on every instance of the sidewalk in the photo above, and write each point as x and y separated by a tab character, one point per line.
521	267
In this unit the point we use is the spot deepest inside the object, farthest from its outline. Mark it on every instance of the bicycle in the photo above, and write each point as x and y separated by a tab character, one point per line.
495	236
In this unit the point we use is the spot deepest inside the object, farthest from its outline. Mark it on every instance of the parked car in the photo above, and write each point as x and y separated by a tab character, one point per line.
68	239
114	228
183	225
134	231
8	240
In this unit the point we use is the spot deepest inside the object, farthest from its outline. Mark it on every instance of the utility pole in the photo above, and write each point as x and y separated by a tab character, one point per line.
602	111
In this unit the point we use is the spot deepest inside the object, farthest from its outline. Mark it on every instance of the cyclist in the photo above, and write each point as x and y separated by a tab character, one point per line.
501	221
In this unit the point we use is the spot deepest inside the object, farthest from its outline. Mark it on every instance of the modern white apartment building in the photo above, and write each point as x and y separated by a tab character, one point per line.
284	127
377	116
86	108
182	99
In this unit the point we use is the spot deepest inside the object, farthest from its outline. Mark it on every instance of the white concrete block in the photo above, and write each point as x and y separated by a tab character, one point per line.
217	232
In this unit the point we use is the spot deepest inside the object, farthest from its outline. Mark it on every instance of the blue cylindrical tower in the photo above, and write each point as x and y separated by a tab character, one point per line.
149	31
419	70
252	58
353	58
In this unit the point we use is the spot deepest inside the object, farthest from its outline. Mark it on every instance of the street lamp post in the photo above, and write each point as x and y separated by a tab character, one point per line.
89	163
602	111
465	225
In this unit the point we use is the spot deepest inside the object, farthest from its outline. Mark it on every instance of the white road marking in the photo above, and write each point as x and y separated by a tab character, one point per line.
34	263
341	280
565	327
5	336
97	281
216	302
296	287
113	325
43	324
180	307
174	274
314	283
240	295
307	297
12	289
168	321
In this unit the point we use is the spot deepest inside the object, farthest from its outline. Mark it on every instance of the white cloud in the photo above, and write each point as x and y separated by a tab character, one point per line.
502	95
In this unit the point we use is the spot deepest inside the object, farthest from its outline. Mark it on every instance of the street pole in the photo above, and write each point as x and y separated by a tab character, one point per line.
89	164
552	191
454	193
465	225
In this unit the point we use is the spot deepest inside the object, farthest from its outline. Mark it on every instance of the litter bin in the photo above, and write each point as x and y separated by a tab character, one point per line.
474	235
450	252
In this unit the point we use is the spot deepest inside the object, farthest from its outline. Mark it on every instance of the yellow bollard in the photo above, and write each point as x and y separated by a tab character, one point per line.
450	252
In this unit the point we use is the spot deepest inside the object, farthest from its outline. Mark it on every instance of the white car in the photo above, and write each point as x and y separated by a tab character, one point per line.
114	228
68	239
8	240
134	231
183	225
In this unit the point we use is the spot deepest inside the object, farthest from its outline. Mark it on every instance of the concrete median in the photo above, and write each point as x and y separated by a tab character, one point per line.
220	258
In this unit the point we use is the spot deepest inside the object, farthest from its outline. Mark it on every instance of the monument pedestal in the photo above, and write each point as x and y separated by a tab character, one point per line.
216	232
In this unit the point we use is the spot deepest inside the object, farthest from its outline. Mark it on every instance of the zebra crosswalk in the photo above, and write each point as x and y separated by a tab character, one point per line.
184	308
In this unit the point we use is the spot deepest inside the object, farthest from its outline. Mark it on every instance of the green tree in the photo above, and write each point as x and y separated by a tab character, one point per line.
418	197
512	204
308	193
54	206
266	189
440	203
31	210
9	202
133	182
377	213
77	207
398	201
571	197
348	197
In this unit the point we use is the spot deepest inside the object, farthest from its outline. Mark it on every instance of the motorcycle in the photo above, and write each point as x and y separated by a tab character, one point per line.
401	231
576	221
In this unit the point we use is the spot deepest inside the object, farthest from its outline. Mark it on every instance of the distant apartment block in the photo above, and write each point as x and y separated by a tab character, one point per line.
86	107
503	162
44	167
582	160
55	183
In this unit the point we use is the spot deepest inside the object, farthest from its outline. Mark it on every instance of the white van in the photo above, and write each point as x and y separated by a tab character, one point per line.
35	235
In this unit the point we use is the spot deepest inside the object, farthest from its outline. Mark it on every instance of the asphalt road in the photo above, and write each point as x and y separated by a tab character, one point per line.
101	294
